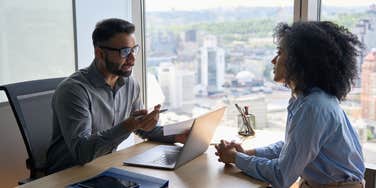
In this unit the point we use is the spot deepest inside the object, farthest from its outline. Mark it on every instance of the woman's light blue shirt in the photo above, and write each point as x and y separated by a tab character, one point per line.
320	146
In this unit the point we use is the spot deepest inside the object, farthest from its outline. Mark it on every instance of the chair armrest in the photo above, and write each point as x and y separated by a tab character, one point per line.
370	175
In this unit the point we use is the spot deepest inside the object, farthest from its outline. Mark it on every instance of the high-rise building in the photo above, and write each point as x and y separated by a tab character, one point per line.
177	85
211	69
191	36
368	95
188	83
163	44
154	91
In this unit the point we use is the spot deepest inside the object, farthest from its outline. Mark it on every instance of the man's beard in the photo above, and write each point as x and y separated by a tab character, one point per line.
115	69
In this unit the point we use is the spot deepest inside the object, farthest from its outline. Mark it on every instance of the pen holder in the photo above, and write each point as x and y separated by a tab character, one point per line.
246	124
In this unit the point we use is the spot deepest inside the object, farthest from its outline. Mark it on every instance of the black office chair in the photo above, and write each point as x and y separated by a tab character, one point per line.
31	105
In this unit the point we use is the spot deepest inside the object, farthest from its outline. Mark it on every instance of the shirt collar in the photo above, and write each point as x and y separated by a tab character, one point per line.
292	102
97	79
295	99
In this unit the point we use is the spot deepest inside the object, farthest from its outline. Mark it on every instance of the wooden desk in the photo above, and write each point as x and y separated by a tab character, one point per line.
204	171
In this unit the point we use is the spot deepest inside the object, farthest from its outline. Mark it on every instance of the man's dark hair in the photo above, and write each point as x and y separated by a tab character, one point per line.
319	54
107	28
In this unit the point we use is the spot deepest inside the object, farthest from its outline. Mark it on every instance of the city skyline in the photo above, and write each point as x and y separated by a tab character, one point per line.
244	37
168	5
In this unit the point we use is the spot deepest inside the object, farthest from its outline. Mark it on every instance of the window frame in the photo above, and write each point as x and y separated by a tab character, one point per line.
303	10
138	17
4	100
75	35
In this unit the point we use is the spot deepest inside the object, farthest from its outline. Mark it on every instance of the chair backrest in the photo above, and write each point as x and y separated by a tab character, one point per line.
31	104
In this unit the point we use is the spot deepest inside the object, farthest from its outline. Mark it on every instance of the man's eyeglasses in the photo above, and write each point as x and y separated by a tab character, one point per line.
124	52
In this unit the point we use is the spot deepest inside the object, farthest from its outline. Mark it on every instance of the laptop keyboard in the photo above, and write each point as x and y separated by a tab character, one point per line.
160	161
167	158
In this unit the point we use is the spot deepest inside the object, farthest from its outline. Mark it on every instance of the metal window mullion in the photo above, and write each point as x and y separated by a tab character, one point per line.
138	18
75	35
297	10
307	10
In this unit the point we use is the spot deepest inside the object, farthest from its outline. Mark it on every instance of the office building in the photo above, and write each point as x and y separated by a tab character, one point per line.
191	36
177	85
368	94
211	69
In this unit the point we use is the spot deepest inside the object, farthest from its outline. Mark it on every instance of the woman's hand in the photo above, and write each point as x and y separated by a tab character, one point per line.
226	152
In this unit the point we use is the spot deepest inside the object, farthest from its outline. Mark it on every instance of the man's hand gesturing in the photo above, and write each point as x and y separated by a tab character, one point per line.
146	123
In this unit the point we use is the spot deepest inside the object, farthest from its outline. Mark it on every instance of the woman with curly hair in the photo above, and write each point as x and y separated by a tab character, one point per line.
317	61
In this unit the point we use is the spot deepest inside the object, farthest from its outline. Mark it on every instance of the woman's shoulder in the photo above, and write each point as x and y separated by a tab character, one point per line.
321	101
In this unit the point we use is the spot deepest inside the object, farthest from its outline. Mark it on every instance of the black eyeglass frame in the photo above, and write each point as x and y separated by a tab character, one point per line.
124	52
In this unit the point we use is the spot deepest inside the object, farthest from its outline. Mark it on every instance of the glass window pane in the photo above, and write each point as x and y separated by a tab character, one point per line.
88	13
36	40
360	18
204	53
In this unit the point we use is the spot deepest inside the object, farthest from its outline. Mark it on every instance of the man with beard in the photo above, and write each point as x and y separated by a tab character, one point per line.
94	109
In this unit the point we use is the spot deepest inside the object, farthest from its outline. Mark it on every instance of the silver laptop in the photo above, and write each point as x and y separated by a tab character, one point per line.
172	156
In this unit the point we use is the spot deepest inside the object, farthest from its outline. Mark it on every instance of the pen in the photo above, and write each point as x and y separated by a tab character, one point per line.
242	113
245	119
141	116
246	110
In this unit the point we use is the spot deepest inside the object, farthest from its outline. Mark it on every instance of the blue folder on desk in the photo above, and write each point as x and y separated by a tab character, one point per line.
118	178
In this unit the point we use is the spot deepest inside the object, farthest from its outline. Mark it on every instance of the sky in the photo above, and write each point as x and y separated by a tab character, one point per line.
164	5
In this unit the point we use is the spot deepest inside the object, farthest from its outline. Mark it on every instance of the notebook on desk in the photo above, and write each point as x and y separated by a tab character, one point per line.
118	178
172	156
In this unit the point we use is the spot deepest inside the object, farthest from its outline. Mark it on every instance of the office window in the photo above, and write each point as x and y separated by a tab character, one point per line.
360	17
202	54
88	13
36	40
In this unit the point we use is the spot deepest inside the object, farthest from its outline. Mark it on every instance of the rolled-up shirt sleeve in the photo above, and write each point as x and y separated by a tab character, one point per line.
308	127
271	151
72	109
